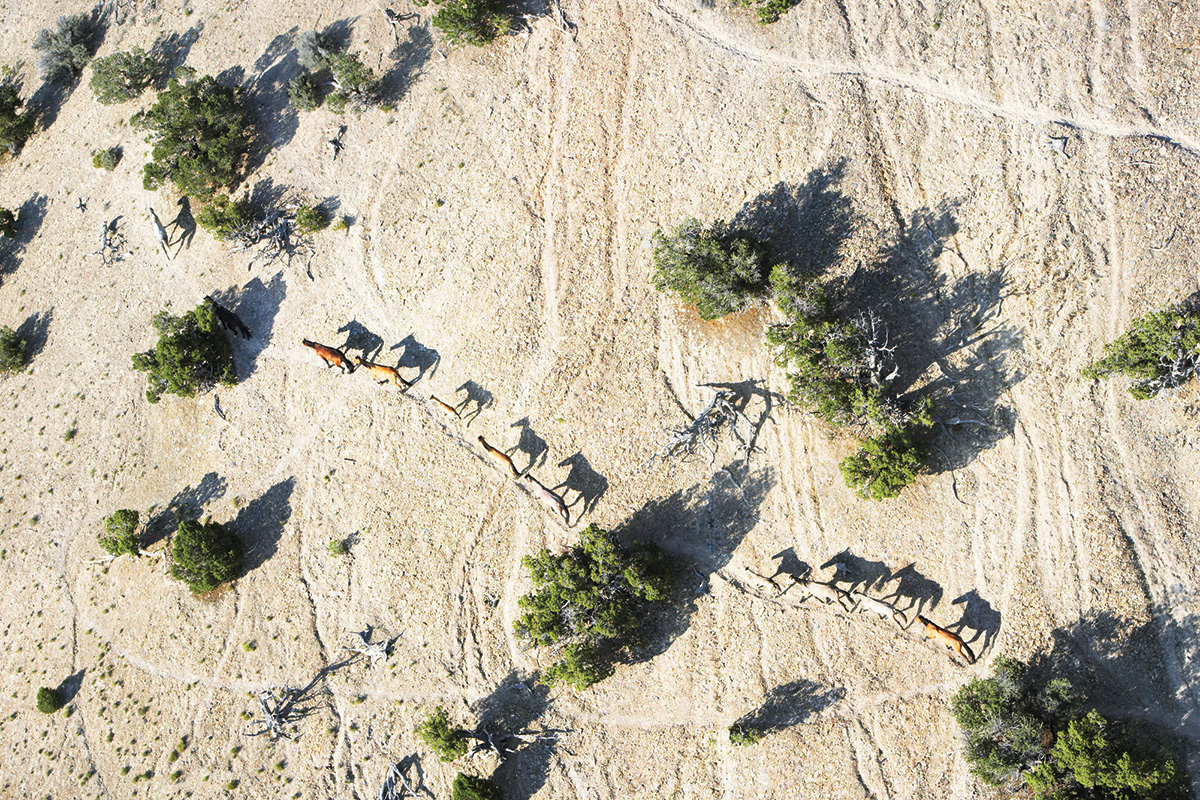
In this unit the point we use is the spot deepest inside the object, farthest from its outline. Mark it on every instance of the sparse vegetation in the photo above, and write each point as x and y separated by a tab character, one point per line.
107	159
120	535
742	735
1160	351
341	224
8	224
354	83
67	47
123	76
223	216
768	11
446	742
200	133
718	270
15	125
309	220
49	700
12	350
204	555
590	599
469	787
476	22
192	353
337	547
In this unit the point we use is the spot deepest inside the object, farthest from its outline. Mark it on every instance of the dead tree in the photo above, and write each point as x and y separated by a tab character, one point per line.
395	784
363	646
278	710
703	433
270	236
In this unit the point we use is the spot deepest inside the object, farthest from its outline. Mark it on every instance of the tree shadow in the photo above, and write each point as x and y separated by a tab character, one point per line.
411	57
260	523
35	330
266	195
861	574
171	50
699	528
789	705
804	225
257	304
510	709
588	485
30	217
71	686
978	616
532	445
188	503
477	399
359	337
921	593
416	356
267	98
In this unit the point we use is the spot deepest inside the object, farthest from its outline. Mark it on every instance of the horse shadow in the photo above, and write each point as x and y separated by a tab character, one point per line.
259	524
359	337
188	503
416	356
861	574
979	616
530	444
35	330
185	223
257	304
588	485
789	705
477	400
791	564
914	587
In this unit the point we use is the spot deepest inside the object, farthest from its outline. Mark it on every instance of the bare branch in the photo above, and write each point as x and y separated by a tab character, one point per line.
703	434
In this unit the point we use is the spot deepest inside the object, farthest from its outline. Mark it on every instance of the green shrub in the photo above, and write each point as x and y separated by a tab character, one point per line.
121	533
476	22
67	48
743	735
15	126
769	10
204	555
304	92
12	350
589	598
341	224
468	787
337	547
1094	757
887	463
310	220
222	217
107	159
313	49
122	76
1159	351
200	134
716	270
8	224
353	82
49	700
191	354
446	742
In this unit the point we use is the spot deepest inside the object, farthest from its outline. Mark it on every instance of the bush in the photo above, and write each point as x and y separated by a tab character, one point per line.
67	48
222	217
49	700
313	48
888	462
15	126
476	22
769	10
120	535
204	555
1159	351
436	734
742	735
716	270
8	224
123	76
304	92
468	787
12	350
191	354
107	159
353	82
589	598
310	220
200	134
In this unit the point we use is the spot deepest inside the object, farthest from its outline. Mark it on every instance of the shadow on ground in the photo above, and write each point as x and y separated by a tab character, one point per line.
188	503
790	704
35	330
260	523
512	707
30	217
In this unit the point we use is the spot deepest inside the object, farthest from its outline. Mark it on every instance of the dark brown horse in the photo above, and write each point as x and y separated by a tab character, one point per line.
229	320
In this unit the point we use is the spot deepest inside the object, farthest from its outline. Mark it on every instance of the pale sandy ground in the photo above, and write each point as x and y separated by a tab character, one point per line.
501	218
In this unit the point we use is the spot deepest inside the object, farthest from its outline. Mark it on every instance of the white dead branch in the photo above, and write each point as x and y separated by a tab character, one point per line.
703	433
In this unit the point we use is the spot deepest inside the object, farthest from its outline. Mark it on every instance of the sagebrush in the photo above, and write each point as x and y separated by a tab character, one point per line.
67	47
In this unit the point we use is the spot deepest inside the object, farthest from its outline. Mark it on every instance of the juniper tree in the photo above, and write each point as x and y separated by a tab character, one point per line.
12	350
469	787
191	354
49	700
304	92
768	11
717	270
1160	351
8	224
15	125
204	555
120	535
123	76
447	742
476	22
66	48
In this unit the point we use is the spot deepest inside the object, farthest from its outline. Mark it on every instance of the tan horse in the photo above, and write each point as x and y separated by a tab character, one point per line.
383	373
330	355
938	633
549	499
879	607
500	456
825	592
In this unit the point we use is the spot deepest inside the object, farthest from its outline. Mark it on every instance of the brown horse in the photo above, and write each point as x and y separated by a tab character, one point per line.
938	633
383	373
330	355
500	456
446	406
